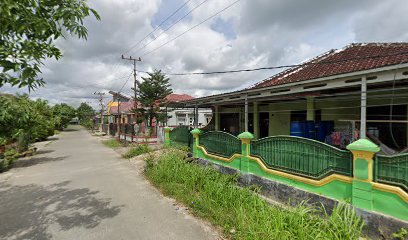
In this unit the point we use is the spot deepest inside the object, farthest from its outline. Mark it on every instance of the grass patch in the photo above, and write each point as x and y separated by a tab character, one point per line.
239	211
112	143
136	151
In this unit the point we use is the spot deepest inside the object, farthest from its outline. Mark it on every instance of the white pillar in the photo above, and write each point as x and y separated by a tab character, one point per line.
246	114
363	107
310	114
256	120
217	118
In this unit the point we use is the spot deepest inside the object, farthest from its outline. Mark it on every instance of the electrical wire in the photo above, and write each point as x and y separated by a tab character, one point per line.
205	20
188	13
157	27
281	66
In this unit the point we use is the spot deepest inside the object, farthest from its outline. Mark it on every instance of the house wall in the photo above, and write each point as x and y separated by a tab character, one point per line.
335	109
203	116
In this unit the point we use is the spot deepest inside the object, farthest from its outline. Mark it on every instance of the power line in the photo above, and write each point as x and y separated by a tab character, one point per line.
155	49
282	66
157	27
188	13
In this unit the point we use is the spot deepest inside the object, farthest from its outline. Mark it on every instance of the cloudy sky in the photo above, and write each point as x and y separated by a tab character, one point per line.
249	34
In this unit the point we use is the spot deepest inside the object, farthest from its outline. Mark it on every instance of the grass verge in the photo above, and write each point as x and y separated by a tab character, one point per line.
239	211
136	151
112	143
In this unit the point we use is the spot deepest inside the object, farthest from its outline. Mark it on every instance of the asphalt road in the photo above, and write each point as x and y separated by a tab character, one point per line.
76	188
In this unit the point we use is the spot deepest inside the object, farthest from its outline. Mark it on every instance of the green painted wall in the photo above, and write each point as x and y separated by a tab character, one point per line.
383	202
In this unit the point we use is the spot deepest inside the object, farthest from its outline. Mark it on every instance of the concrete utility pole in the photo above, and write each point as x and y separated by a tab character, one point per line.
134	75
100	103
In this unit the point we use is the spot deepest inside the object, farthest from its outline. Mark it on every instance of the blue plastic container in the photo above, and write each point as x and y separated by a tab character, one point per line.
297	129
310	129
324	128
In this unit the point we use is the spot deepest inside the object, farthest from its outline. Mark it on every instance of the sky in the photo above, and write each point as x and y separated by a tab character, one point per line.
249	34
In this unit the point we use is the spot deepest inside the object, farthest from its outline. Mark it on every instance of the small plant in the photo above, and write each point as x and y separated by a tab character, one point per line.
10	155
401	234
136	151
112	143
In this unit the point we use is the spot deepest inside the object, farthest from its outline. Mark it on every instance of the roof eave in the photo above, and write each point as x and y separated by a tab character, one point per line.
240	95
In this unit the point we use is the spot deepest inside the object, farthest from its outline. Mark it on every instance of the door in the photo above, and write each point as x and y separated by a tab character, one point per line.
263	124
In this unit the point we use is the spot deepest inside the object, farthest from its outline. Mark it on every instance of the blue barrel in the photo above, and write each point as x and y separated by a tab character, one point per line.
324	128
297	129
310	129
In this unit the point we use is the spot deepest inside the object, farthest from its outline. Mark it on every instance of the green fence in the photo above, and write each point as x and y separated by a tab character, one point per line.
302	156
181	135
220	143
392	170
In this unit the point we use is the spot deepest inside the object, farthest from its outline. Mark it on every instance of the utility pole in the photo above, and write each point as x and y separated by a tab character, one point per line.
100	103
134	88
134	75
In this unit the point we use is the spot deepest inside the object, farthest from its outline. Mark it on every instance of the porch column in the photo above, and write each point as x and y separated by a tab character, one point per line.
256	120
271	117
217	118
310	104
246	114
196	117
363	107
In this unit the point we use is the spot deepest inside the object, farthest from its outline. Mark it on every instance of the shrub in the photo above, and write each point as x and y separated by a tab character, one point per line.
136	151
112	143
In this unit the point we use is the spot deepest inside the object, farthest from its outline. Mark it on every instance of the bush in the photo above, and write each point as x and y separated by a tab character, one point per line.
136	151
112	143
240	211
6	161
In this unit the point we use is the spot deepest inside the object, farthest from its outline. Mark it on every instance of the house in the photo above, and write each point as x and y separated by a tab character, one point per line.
180	116
121	106
335	97
344	98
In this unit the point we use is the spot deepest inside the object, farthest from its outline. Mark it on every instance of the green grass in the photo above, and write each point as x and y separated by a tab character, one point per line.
241	212
136	151
112	143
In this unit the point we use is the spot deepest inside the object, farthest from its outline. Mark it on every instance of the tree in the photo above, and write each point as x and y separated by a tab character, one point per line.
24	121
28	32
152	93
63	114
85	112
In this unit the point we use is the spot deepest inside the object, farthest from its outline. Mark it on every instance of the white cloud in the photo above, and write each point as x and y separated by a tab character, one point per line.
267	33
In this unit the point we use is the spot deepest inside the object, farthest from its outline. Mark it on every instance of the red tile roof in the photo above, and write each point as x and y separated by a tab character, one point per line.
178	97
352	58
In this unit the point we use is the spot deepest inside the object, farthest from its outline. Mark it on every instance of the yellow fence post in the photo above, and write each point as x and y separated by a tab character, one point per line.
362	191
167	131
196	134
246	138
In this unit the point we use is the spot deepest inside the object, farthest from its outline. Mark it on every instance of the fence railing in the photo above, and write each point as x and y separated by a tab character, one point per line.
302	156
181	135
392	170
220	143
113	129
105	128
